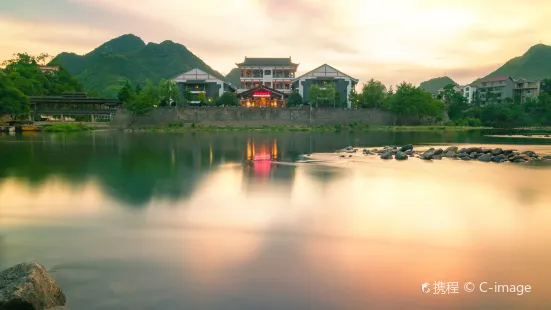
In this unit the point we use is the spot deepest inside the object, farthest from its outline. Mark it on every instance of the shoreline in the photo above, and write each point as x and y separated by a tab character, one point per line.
298	128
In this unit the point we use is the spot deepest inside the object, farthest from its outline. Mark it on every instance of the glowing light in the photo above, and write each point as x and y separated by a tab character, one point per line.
261	94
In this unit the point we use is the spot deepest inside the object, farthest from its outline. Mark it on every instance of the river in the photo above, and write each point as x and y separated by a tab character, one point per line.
184	221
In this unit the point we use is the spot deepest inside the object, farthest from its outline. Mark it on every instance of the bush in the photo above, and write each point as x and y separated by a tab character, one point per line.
450	123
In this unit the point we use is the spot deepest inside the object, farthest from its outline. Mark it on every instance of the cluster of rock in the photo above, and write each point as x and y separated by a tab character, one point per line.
29	287
496	155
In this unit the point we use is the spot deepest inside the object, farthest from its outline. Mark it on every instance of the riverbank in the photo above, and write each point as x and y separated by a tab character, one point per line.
180	127
68	127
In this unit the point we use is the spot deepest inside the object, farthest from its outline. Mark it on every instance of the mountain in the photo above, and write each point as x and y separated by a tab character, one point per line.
107	68
234	77
535	63
433	85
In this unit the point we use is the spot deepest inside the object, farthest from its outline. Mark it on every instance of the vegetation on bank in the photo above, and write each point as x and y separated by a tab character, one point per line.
67	127
22	77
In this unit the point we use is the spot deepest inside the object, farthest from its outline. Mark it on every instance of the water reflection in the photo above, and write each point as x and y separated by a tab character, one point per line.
214	231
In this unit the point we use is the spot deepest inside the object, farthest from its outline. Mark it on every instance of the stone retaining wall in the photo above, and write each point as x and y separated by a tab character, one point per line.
257	117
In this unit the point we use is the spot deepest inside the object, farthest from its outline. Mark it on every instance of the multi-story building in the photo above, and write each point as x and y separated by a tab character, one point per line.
202	86
326	74
495	89
526	88
274	73
468	92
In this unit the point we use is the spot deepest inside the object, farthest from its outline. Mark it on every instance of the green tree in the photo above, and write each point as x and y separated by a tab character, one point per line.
126	93
456	104
295	99
93	93
322	94
411	100
373	94
546	86
314	93
202	98
168	91
12	100
144	102
228	99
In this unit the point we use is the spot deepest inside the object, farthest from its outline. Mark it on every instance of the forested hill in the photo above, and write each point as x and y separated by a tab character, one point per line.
535	63
107	68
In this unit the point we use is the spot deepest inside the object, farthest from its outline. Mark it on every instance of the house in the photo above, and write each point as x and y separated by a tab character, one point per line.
495	89
468	92
202	86
526	88
322	75
274	73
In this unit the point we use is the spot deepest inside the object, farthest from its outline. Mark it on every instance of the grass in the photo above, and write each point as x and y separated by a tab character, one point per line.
182	127
67	127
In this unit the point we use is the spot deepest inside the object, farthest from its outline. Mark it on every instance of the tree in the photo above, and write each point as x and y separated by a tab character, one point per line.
314	93
411	100
373	94
228	99
12	100
168	91
295	99
126	93
142	103
202	98
456	104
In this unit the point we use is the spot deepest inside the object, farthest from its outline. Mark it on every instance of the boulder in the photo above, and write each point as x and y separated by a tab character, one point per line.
519	160
497	151
428	154
450	154
473	155
29	287
366	152
451	149
463	150
530	153
547	157
409	153
498	159
474	150
508	152
407	147
386	155
438	152
485	158
401	156
349	148
486	151
437	157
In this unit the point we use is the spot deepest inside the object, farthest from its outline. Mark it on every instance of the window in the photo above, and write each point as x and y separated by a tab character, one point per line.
267	72
268	84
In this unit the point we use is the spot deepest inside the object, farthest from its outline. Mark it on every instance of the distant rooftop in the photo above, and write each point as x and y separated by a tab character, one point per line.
267	62
495	79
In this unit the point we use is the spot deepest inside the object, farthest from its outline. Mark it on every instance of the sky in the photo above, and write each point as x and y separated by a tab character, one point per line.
391	40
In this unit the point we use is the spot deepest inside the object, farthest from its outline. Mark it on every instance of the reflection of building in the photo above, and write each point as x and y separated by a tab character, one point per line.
201	85
260	156
275	73
326	74
262	97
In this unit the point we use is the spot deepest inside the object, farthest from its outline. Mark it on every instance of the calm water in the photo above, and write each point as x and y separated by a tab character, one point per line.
183	221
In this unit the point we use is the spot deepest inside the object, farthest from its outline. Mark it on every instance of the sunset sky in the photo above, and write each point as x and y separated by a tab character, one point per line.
391	40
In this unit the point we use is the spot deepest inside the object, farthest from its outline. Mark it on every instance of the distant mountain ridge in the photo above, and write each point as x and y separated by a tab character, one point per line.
535	64
433	85
234	77
107	68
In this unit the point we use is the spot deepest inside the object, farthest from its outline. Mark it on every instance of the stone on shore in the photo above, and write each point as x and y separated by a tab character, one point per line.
401	156
498	159
474	150
428	154
28	286
450	154
407	147
451	149
497	151
438	152
386	155
485	158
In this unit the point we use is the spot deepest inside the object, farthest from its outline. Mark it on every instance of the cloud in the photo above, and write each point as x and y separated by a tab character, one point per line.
392	40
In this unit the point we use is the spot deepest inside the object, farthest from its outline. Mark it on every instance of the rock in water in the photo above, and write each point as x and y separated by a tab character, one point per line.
428	154
498	159
451	149
407	147
401	156
29	287
474	149
497	151
485	158
438	152
450	154
386	155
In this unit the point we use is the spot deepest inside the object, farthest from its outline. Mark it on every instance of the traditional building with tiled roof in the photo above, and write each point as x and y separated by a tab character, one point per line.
326	74
202	86
275	73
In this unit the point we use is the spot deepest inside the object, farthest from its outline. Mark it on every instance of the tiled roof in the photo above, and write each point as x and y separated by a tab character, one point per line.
495	79
267	62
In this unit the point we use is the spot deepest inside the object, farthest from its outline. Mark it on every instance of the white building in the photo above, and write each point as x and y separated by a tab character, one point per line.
468	92
326	74
197	82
